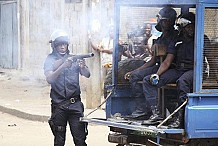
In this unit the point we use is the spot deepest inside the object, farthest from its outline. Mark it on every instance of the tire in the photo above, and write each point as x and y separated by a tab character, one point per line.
202	142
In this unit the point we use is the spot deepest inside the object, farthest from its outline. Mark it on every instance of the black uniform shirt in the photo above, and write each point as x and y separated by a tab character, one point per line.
184	54
167	42
67	83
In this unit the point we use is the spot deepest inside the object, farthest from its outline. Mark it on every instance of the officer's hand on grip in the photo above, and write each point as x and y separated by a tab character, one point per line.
81	63
154	79
67	63
60	63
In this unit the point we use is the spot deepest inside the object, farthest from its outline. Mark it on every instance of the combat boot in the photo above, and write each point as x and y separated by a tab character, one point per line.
155	118
178	122
139	115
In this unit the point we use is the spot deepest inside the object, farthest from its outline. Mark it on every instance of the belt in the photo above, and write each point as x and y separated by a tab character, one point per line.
74	99
70	100
184	65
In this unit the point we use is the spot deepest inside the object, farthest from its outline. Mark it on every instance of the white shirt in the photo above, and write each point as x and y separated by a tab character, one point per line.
107	44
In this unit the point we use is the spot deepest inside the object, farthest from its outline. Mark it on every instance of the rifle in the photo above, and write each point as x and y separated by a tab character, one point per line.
72	58
82	56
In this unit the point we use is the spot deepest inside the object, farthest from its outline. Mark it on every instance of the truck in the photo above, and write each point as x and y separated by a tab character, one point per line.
201	122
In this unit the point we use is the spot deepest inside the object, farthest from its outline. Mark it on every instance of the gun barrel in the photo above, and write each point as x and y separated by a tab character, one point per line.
74	57
84	56
87	55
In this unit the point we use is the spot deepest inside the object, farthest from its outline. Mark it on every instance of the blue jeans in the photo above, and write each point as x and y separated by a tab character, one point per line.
170	76
137	90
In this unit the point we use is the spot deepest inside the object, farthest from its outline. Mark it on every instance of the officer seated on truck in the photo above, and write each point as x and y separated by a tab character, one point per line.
182	74
166	21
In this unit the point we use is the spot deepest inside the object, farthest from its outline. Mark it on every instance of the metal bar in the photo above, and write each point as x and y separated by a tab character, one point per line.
202	95
199	41
158	138
116	47
157	2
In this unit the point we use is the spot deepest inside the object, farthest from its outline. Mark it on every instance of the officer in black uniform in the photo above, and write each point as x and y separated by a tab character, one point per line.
62	73
183	71
166	21
185	82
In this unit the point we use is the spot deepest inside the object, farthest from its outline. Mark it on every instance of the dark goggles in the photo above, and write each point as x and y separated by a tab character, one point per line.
159	18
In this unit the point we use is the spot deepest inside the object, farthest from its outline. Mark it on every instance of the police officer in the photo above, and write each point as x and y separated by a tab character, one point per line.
183	72
166	21
62	73
185	82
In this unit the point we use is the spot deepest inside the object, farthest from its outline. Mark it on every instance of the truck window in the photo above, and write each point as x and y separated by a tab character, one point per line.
210	64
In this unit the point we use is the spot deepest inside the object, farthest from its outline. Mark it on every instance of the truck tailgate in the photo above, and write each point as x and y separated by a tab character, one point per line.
132	125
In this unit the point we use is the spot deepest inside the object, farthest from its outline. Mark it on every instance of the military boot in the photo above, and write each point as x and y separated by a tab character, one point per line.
139	114
178	121
155	118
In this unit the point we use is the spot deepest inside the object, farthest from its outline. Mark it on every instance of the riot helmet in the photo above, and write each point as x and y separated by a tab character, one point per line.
185	20
166	13
58	37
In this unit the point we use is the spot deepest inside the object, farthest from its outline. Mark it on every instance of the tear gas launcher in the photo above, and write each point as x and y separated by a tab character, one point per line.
82	56
72	58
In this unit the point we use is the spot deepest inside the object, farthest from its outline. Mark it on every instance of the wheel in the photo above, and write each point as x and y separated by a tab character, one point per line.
202	142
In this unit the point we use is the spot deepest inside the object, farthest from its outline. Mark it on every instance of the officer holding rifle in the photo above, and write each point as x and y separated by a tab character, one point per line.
62	72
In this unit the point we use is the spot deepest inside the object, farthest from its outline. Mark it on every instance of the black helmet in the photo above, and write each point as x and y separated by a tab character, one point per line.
59	37
185	19
166	13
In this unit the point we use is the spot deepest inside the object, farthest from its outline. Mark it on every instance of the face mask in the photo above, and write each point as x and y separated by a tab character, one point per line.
189	31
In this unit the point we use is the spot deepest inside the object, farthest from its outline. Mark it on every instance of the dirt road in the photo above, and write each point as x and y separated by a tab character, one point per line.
18	92
19	132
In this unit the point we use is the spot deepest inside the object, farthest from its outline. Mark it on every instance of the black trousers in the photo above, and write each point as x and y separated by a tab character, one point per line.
69	113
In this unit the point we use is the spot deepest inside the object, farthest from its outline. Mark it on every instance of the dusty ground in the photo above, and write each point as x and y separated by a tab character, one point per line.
19	132
20	92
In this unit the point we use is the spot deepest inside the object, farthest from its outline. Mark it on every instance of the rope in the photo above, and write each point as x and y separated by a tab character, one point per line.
173	113
100	104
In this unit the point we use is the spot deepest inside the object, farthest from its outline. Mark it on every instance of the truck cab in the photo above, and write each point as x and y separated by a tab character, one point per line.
201	122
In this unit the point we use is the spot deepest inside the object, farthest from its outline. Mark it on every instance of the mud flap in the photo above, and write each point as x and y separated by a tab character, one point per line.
118	138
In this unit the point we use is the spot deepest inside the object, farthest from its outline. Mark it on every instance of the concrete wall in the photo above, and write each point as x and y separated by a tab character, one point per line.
39	18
